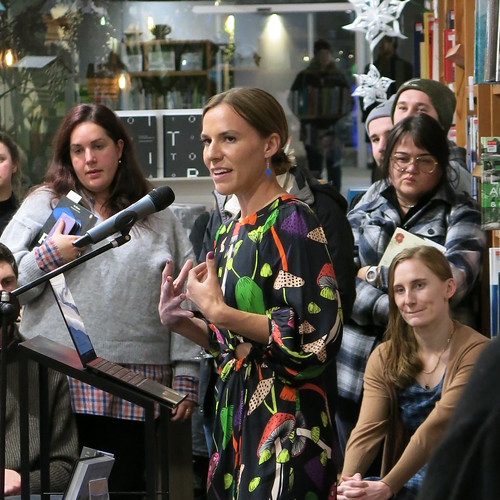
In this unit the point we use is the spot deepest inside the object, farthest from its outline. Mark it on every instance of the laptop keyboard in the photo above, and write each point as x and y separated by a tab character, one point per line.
119	372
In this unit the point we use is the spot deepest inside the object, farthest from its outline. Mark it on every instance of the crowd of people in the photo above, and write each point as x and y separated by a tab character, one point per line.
331	375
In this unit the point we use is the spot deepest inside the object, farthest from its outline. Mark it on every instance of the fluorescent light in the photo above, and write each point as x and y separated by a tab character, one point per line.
272	8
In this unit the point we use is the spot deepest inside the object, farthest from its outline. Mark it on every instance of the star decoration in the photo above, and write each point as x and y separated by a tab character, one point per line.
377	18
372	87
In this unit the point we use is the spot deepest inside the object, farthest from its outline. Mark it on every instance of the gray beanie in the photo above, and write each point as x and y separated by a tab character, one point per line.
442	98
383	110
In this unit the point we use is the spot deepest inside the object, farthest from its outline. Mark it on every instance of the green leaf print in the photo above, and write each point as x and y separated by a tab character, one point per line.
323	458
283	457
313	308
228	481
265	456
327	293
291	478
249	296
226	420
324	419
315	434
253	484
266	271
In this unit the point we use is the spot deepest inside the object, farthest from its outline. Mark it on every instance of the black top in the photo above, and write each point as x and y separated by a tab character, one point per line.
7	209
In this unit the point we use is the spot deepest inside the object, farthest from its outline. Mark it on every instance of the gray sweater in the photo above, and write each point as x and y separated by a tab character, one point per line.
63	436
117	292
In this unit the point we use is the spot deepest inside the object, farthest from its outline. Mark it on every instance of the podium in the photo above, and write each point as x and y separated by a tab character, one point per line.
175	473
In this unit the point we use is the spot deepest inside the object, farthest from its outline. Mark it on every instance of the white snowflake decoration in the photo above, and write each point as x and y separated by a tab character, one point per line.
377	18
372	87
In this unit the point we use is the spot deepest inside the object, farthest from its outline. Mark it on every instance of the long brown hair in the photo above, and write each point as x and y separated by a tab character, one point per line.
403	362
264	113
129	183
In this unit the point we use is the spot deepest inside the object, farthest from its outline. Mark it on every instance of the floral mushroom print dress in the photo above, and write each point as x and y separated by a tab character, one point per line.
273	435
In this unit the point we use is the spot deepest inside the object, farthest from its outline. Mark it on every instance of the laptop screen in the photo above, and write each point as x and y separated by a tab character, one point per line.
72	318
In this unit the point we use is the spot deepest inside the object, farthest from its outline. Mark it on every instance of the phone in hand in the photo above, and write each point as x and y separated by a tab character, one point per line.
71	226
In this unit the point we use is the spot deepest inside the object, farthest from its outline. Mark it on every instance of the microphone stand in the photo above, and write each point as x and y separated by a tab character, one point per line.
9	312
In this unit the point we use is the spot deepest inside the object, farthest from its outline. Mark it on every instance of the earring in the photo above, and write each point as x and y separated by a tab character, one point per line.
268	169
119	161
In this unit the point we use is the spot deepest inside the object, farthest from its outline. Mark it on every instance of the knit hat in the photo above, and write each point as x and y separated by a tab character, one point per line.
383	110
442	98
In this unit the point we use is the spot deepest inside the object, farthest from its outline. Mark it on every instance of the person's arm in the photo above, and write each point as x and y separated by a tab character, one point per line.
22	230
371	306
428	435
373	421
172	315
300	325
465	243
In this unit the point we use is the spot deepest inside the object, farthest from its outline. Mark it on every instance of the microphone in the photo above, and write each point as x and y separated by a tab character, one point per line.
158	199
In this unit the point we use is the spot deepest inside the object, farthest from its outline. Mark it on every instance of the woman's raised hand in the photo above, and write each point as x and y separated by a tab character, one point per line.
172	295
203	289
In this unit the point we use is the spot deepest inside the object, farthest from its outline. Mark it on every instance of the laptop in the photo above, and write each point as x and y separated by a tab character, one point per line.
101	366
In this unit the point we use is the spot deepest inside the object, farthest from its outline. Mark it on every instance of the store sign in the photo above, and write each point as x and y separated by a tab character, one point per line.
183	149
143	130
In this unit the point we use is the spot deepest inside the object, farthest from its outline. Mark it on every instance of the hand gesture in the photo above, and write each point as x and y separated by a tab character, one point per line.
172	296
203	289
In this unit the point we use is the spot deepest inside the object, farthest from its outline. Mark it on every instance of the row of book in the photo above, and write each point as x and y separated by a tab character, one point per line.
487	42
427	48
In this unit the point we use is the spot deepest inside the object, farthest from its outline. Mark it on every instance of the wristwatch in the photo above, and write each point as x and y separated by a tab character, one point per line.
371	275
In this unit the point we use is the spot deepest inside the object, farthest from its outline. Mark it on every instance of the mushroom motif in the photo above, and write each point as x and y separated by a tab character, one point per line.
278	429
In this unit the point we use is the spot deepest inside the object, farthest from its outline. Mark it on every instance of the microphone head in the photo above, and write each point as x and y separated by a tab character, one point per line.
162	197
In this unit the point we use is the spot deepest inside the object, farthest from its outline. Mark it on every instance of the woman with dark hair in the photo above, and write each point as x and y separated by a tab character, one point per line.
413	380
10	179
415	195
268	312
117	293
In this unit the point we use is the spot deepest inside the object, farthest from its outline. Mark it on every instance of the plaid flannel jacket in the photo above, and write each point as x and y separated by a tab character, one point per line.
449	218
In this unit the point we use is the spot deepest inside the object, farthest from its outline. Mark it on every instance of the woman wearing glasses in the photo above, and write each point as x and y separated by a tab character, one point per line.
414	194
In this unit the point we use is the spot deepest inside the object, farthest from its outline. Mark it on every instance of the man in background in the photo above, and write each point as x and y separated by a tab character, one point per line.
319	97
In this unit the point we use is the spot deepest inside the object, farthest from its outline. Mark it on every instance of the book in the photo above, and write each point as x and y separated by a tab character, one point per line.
494	265
490	41
86	470
418	39
402	239
490	183
448	66
69	208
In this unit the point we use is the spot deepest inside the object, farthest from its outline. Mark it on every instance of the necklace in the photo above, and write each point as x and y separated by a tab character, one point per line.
407	206
430	372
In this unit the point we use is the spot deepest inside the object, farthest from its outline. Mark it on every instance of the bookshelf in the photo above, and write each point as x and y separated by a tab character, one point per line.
486	106
172	73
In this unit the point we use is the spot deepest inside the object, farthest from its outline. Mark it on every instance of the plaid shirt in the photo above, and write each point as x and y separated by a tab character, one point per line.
93	401
449	218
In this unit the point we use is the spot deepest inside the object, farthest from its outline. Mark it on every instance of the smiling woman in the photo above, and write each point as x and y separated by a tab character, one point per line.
270	312
412	381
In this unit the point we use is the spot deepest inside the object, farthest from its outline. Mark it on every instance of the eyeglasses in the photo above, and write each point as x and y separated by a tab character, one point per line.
425	163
